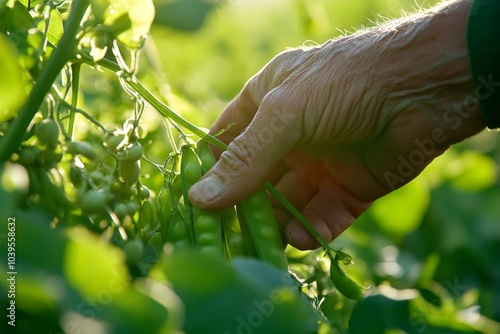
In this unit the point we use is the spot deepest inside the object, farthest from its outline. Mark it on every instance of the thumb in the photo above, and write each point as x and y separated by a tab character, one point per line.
247	162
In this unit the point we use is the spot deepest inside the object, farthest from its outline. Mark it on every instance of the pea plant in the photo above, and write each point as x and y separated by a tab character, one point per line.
129	255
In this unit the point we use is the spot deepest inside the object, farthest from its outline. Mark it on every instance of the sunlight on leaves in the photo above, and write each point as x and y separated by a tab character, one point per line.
140	13
93	267
12	94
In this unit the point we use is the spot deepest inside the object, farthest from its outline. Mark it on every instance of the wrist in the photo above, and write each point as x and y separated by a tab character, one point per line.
425	69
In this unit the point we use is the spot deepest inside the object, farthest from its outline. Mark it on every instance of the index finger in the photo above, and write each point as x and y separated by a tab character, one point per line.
239	112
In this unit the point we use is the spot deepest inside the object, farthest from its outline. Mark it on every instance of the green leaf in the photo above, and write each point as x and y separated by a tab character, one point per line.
252	297
140	12
400	212
72	277
19	18
12	92
93	266
391	310
131	311
55	30
179	269
381	312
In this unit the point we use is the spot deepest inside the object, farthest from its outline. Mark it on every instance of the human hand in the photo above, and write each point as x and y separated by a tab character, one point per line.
337	126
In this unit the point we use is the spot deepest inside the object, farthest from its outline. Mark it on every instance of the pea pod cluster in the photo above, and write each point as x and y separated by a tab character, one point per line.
248	229
184	225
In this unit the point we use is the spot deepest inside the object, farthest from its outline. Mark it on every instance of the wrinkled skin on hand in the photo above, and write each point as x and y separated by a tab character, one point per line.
329	126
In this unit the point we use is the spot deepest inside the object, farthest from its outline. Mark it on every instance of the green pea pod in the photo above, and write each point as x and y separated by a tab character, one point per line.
167	199
233	238
208	232
133	152
257	216
190	174
205	154
52	197
345	284
47	132
113	141
190	168
178	232
165	211
51	191
147	216
34	186
156	241
248	242
82	148
208	160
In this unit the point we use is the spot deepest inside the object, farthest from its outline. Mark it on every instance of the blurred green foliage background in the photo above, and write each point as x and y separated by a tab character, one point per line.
443	226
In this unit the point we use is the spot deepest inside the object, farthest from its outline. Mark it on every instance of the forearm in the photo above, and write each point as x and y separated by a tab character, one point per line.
423	63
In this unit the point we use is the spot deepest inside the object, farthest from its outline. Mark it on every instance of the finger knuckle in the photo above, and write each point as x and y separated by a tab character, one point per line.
239	158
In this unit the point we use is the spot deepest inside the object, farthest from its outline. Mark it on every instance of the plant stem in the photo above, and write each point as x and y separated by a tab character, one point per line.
61	55
75	84
161	107
75	110
296	213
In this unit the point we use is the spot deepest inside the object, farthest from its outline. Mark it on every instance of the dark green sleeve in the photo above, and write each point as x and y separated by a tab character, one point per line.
483	42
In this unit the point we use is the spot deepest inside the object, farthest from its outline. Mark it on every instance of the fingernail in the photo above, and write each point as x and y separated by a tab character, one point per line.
207	190
291	232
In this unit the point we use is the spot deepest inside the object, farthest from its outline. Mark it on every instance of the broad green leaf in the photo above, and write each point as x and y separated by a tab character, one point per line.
130	311
163	294
252	297
381	312
55	30
400	212
140	12
12	92
94	267
18	18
